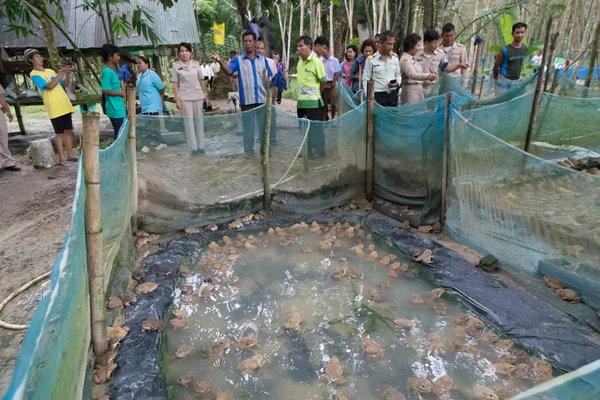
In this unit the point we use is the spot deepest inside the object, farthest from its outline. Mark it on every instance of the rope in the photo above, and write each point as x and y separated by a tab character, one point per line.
26	286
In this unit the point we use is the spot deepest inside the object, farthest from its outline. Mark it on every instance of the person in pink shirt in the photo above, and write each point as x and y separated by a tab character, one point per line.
351	53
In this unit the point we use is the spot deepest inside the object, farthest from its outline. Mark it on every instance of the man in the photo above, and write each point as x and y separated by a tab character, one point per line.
456	53
377	40
216	68
151	90
332	72
433	60
114	105
260	48
233	78
57	103
384	69
7	162
537	61
208	75
249	66
509	61
311	82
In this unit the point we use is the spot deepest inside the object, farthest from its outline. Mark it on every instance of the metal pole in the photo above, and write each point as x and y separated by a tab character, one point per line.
445	159
132	146
370	134
538	88
93	229
476	67
267	144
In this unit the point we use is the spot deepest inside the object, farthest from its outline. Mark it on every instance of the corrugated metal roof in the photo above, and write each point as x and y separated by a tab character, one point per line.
176	24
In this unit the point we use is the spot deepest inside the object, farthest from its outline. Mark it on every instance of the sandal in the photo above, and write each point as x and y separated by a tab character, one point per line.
72	158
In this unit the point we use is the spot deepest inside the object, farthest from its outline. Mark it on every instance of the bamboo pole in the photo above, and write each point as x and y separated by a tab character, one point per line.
93	229
445	158
538	88
267	144
132	147
370	134
476	67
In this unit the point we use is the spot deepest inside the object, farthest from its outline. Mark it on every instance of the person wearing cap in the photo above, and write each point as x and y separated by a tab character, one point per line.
112	92
57	103
7	162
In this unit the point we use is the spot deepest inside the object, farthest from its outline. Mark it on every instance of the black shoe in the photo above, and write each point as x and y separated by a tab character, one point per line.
13	168
201	151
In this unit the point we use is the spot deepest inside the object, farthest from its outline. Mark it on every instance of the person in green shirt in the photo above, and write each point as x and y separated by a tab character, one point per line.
112	93
311	83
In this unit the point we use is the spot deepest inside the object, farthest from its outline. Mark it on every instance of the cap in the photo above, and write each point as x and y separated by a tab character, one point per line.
30	53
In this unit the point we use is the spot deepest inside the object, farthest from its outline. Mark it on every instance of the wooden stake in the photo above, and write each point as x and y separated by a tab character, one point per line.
267	144
593	55
370	134
476	67
445	158
538	88
93	229
550	61
132	147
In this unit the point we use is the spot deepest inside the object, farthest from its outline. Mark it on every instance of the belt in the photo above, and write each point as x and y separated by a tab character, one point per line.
411	83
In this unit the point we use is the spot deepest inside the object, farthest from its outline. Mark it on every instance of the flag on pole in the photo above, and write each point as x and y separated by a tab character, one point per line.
219	35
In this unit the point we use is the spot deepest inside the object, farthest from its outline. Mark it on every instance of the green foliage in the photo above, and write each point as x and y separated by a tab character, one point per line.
355	41
507	20
208	46
292	91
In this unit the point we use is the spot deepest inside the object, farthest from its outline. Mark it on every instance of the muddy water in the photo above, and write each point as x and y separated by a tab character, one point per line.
336	315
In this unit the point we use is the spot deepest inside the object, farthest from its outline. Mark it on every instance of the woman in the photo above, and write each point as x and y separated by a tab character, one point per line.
151	89
279	80
351	53
367	48
190	94
412	72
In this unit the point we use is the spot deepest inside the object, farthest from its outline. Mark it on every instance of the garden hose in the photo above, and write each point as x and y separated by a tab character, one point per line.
26	286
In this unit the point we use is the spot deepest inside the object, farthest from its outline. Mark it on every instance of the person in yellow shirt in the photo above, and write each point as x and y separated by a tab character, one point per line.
56	101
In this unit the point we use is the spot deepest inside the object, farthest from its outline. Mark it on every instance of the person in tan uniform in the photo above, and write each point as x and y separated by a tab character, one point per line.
412	72
190	96
433	59
7	162
456	53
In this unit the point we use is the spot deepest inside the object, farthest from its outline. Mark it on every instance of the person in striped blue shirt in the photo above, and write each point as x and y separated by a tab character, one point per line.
249	66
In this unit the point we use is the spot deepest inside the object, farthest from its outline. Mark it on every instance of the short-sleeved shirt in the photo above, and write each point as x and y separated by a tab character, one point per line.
115	106
311	72
207	71
189	78
332	66
456	54
149	86
56	101
250	77
431	63
411	70
382	71
272	66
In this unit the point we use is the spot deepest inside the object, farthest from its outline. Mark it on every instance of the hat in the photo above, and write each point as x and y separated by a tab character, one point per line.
30	53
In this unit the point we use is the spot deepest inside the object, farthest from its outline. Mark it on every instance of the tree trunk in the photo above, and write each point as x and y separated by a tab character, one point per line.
289	37
441	10
427	14
302	2
410	12
593	55
331	27
313	19
282	26
257	8
375	29
242	11
53	54
349	6
319	20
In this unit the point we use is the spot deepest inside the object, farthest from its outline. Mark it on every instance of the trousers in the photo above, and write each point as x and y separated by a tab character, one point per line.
411	93
7	159
316	134
193	119
256	120
386	99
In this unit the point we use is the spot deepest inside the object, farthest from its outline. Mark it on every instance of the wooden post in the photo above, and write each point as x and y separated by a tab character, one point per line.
370	135
445	159
476	67
132	147
550	60
481	86
593	55
538	87
93	229
267	144
305	152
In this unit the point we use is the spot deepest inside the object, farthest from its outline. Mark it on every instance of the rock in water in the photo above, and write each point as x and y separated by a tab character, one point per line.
42	153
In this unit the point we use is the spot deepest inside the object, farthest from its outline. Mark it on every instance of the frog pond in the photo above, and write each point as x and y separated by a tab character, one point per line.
322	311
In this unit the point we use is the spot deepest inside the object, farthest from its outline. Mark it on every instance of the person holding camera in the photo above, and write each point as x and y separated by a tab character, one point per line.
57	103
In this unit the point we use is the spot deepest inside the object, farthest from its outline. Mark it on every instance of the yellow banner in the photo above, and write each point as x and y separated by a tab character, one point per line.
219	36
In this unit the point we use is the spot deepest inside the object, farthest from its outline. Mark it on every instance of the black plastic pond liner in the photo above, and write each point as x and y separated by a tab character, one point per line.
531	322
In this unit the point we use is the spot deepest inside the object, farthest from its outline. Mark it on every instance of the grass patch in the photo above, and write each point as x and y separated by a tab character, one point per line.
292	92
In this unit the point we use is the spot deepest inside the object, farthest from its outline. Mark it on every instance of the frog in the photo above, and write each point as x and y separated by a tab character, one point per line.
337	244
225	396
440	308
223	343
435	341
151	324
489	337
250	247
233	279
180	313
375	296
349	232
294	322
507	359
390	393
334	371
371	247
280	231
542	367
143	254
404	323
114	302
483	393
504	368
471	350
569	295
178	323
324	245
204	388
460	332
145	288
247	218
553	283
426	257
340	396
475	323
184	380
416	299
190	230
237	224
371	348
522	369
411	274
251	364
392	273
358	247
106	358
306	250
183	272
442	385
163	272
385	284
189	299
436	293
373	256
385	261
425	228
488	263
504	344
141	242
206	291
138	274
116	333
420	385
398	266
103	373
461	319
211	227
183	351
245	342
339	272
128	299
354	274
187	289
